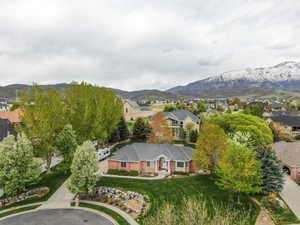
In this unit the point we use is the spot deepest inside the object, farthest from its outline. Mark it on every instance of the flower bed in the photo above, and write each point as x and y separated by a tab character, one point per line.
37	192
123	172
133	203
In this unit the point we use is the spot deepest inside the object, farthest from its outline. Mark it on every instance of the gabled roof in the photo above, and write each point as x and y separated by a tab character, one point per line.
293	121
181	115
147	152
13	116
132	103
288	152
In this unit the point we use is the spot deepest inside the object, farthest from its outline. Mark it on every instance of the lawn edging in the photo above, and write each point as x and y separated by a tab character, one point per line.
123	214
18	211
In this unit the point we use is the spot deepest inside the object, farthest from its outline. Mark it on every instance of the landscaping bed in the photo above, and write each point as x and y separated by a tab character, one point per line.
175	190
133	173
53	181
279	212
132	203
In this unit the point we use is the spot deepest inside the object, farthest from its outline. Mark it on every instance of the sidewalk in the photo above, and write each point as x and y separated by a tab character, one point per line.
291	195
159	177
62	198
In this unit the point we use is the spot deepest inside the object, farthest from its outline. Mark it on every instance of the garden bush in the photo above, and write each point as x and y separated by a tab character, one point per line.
123	172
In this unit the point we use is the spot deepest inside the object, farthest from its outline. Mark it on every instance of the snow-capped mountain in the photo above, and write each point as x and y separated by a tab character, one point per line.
261	80
282	72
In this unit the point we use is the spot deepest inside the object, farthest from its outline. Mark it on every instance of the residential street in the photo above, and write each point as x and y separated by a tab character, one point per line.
291	195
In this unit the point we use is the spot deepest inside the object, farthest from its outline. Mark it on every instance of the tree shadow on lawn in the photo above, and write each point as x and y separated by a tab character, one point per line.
174	191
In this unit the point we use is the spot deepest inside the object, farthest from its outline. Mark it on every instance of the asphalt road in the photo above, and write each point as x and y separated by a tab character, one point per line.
57	217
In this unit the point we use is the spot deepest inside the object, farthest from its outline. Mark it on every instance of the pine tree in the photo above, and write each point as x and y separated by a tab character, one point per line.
123	130
194	136
84	169
18	170
272	173
141	130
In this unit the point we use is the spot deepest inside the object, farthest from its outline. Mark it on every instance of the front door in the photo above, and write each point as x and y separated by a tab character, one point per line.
163	164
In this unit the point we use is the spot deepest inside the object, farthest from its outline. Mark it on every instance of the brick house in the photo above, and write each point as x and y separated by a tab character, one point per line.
289	154
153	158
291	123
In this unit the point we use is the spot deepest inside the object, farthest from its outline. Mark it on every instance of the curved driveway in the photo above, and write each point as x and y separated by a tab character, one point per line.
57	217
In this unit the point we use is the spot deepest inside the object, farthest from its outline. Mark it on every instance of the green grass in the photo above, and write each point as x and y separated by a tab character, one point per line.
185	144
107	211
280	215
175	190
53	181
23	209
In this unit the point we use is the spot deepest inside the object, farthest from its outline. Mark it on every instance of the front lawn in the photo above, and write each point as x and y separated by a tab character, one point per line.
53	181
175	190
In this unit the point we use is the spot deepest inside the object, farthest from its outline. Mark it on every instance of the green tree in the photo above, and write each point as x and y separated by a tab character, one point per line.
66	144
84	169
123	129
141	130
255	110
220	108
272	173
15	106
194	136
255	129
17	169
42	119
201	107
239	171
182	134
93	112
169	108
210	147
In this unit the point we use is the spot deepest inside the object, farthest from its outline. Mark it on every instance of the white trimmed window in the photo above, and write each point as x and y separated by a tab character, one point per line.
180	164
123	164
150	164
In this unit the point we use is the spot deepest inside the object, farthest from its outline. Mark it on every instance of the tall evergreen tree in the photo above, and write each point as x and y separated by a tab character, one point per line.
123	130
141	130
272	173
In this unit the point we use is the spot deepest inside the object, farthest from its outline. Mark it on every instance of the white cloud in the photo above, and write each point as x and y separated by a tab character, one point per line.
142	44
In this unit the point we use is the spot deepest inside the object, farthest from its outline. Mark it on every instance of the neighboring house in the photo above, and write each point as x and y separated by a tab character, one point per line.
289	154
291	123
178	120
132	110
153	158
4	106
6	128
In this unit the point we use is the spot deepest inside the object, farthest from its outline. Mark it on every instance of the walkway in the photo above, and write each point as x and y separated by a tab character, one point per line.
291	195
62	198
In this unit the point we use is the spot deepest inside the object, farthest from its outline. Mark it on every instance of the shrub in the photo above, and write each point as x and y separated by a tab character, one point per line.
133	173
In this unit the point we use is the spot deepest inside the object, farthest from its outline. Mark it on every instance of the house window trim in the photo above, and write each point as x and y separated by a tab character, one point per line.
122	165
153	164
182	162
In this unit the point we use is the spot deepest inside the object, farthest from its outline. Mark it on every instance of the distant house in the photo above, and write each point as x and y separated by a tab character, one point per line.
6	128
289	154
153	158
132	110
178	120
291	123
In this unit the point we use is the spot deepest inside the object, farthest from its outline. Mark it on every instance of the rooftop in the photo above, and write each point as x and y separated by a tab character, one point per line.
145	152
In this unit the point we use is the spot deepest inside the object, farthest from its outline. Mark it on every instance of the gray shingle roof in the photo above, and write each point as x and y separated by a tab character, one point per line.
288	152
144	151
286	120
181	115
132	103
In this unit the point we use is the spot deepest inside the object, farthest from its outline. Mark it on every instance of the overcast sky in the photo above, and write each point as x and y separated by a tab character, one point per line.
142	44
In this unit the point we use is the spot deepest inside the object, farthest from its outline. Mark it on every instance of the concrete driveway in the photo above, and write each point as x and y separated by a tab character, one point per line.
57	217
